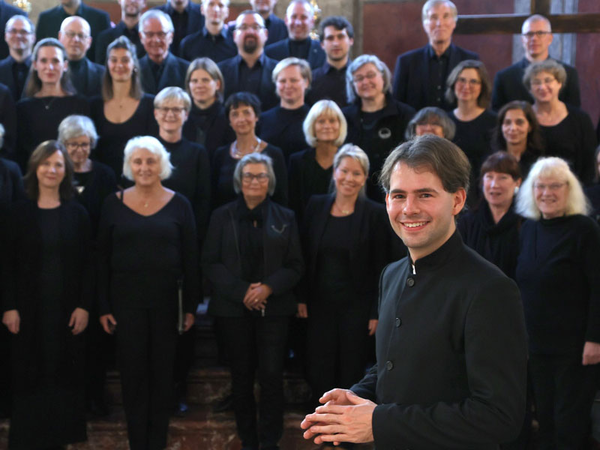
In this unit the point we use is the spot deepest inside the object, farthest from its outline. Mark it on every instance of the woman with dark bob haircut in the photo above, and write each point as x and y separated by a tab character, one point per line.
253	261
243	111
46	295
49	98
123	111
492	227
518	133
431	120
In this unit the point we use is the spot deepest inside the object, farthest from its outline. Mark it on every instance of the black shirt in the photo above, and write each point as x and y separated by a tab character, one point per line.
209	127
142	257
557	273
251	241
114	136
250	77
328	83
306	178
203	44
283	128
20	71
438	73
300	48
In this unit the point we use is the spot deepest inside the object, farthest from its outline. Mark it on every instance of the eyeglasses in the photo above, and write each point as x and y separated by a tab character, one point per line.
546	81
255	27
14	31
164	110
471	82
75	145
538	34
73	35
551	187
158	34
248	177
369	76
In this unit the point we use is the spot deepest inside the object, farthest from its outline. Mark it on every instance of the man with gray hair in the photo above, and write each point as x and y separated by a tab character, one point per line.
275	26
536	37
420	75
19	34
49	21
300	20
451	341
6	12
159	68
186	18
85	75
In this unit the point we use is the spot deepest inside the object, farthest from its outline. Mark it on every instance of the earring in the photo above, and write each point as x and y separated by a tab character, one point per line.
516	190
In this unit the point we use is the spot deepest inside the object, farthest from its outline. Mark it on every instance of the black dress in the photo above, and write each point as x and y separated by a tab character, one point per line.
496	242
574	140
223	166
47	275
306	178
114	136
557	273
38	119
209	127
283	128
141	259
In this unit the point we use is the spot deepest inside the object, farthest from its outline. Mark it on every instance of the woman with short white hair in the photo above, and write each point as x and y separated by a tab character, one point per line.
147	285
557	272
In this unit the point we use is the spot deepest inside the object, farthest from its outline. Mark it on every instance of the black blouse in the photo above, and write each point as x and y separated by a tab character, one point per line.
38	119
223	166
141	258
283	128
306	178
114	136
209	127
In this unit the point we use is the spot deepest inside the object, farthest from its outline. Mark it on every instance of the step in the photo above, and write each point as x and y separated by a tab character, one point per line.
199	430
206	386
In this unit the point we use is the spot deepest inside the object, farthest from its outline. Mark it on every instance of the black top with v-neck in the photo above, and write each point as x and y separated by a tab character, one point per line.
142	257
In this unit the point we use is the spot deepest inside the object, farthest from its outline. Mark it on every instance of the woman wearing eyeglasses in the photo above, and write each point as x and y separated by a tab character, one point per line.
253	261
557	273
376	122
469	86
568	131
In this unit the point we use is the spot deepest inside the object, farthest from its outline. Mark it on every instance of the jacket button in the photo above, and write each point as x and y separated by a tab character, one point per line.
398	322
410	282
389	365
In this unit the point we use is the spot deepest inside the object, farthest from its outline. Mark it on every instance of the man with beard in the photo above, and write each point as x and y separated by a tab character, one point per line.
186	18
49	22
300	20
131	11
251	69
329	80
275	26
20	36
85	75
214	40
159	68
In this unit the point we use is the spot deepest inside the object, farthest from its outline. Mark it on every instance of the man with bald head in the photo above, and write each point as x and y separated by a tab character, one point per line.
536	37
251	69
131	11
159	68
50	21
19	34
420	75
300	21
85	75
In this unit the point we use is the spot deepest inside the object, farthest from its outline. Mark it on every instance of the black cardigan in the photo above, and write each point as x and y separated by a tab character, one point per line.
372	246
283	264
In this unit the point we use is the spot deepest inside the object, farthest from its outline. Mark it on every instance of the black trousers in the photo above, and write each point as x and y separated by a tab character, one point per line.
338	343
564	392
252	343
146	342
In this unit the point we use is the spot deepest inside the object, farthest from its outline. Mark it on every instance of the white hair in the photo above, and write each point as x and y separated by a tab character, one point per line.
154	146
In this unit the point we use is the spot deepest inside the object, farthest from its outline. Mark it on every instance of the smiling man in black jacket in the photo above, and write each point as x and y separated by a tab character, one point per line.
451	346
